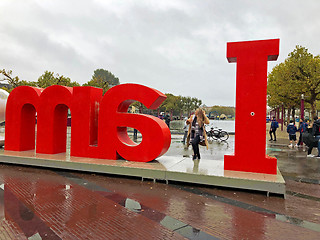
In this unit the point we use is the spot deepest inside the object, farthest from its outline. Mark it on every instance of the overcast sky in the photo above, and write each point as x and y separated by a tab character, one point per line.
171	45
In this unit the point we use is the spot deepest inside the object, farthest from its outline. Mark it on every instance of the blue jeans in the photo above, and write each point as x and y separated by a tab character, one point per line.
318	138
185	137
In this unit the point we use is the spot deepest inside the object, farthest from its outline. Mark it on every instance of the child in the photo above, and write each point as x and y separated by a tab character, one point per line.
292	129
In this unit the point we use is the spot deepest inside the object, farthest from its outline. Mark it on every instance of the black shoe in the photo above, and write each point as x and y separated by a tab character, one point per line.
194	157
199	157
275	140
270	139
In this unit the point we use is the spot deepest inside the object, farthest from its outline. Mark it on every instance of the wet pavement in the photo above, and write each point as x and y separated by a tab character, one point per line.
40	203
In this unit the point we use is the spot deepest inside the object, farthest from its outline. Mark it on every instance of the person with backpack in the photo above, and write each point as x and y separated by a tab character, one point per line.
303	128
292	129
273	129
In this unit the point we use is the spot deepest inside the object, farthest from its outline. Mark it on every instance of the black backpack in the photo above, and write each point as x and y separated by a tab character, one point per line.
308	139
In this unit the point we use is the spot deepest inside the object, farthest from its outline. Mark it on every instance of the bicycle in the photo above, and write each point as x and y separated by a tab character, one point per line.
217	134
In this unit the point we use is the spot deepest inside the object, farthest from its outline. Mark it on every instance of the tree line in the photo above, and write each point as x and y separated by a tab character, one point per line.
101	78
218	110
179	105
175	105
298	76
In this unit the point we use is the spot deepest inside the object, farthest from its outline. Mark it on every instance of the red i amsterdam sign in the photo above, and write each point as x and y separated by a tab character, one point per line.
99	123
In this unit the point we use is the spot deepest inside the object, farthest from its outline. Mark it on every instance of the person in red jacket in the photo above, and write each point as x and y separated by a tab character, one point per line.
303	128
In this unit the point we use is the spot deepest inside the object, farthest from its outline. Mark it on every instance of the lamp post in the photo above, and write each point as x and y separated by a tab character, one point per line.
302	107
282	117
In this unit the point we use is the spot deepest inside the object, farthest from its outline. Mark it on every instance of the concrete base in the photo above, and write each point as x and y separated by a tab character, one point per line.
168	168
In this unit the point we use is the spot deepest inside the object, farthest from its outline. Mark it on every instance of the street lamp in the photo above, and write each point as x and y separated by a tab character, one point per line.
302	107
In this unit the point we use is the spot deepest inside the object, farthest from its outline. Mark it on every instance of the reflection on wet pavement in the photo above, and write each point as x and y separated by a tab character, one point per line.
64	205
217	149
132	205
294	163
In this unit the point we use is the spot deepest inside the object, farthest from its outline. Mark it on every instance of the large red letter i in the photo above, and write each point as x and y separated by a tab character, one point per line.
251	90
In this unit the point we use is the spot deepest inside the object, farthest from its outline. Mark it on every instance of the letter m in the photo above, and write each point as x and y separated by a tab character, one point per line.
22	105
51	106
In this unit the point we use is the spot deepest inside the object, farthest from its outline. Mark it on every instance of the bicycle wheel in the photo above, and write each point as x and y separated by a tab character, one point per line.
209	136
224	135
215	134
210	139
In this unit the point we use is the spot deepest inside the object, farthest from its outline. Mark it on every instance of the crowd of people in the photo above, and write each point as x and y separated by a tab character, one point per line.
309	134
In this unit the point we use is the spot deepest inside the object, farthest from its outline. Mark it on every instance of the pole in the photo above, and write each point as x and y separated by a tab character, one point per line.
282	116
302	107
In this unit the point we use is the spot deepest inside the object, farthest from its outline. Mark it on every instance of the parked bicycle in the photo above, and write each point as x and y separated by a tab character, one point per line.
217	134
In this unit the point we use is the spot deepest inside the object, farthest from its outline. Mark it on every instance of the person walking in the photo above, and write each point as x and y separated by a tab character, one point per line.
292	129
273	129
197	132
316	133
185	128
303	128
135	134
167	119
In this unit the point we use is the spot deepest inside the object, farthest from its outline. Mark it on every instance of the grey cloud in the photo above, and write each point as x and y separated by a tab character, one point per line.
168	45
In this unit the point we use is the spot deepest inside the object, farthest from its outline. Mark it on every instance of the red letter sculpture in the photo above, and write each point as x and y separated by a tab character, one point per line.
88	108
52	119
21	110
251	91
84	130
114	120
